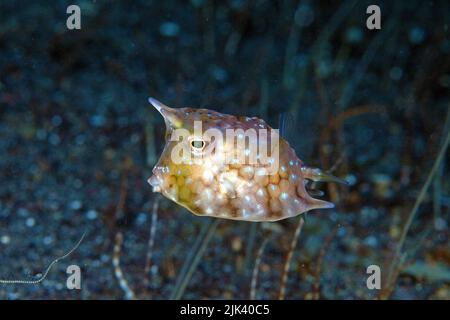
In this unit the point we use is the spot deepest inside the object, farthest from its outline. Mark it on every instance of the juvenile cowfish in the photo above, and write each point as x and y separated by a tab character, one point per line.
207	185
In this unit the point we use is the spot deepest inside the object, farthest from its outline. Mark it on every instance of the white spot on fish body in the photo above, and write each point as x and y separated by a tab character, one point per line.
284	196
208	176
260	192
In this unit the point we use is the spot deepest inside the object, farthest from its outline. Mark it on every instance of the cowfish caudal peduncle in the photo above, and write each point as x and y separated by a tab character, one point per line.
207	185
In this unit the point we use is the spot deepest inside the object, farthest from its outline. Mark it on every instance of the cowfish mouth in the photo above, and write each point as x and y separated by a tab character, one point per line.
155	182
170	115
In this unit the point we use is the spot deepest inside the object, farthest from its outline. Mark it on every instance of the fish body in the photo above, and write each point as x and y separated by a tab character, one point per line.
207	185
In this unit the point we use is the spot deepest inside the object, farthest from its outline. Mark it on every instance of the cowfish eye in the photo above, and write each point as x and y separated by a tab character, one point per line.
197	144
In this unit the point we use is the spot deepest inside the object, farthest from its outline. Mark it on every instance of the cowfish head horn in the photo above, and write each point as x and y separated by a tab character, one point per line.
171	116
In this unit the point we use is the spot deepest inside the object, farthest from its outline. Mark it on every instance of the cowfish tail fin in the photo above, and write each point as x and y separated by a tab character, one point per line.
310	202
314	203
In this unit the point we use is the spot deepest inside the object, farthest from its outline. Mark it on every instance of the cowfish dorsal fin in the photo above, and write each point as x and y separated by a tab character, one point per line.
287	125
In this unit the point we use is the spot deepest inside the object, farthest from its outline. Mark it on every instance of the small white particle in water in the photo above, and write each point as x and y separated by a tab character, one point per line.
351	179
169	29
440	224
41	134
141	218
371	241
5	239
56	120
417	35
91	214
219	73
75	205
97	120
54	139
48	240
30	222
104	258
154	269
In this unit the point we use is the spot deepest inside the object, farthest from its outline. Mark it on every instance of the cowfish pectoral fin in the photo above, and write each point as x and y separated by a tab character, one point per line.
318	175
315	192
170	115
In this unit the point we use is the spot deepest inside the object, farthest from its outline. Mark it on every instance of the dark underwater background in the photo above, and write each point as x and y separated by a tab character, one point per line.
78	140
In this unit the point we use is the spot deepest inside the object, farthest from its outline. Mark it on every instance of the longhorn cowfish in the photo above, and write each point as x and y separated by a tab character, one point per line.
194	172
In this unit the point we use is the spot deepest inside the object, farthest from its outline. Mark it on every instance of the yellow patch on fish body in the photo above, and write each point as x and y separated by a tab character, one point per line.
239	191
